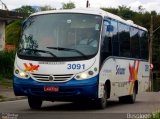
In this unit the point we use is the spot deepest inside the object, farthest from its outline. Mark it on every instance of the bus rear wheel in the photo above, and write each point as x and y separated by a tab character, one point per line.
34	102
129	98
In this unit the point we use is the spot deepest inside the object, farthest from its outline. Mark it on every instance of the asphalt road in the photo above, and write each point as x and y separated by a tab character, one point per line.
146	103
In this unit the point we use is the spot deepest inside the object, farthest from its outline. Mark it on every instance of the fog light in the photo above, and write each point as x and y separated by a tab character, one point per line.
90	72
77	76
17	71
26	75
95	69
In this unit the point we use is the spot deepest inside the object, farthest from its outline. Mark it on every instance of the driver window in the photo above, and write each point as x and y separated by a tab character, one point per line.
89	37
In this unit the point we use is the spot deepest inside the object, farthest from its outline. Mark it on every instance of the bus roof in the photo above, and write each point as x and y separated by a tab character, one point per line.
94	12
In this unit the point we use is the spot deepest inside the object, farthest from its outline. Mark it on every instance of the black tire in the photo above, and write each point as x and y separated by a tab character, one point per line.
102	102
34	103
129	98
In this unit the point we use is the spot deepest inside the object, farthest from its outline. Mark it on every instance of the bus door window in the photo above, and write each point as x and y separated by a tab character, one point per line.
106	45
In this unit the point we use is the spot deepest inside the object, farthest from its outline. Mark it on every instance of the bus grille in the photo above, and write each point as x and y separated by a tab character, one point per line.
52	78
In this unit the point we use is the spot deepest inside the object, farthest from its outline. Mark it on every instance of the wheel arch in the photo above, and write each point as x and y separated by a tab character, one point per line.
108	87
136	86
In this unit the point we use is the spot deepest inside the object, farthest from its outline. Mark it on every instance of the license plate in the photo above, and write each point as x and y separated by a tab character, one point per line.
51	89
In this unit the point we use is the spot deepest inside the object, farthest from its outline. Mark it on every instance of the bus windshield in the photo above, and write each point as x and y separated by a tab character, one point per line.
62	36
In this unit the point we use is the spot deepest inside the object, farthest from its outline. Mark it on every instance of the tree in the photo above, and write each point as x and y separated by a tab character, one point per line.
156	40
69	5
111	10
27	10
153	13
47	7
141	9
122	11
125	12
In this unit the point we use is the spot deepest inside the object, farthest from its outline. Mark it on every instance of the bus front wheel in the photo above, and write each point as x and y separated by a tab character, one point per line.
34	102
102	102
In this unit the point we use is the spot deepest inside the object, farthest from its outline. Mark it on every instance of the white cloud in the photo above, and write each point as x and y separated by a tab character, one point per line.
134	6
147	4
152	6
12	4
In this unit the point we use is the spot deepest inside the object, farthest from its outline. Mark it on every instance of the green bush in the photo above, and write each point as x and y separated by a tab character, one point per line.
1	77
13	32
6	64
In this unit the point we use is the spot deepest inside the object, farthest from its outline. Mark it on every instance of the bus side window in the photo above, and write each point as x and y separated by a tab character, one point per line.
143	44
115	40
135	43
124	38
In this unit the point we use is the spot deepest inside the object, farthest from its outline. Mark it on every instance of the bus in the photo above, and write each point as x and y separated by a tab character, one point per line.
53	64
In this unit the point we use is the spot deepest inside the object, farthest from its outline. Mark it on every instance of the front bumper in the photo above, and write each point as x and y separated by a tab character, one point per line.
71	90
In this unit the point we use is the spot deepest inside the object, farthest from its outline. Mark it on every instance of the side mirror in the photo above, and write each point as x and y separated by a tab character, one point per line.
109	28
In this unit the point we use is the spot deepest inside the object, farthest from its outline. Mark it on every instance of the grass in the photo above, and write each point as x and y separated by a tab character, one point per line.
6	83
1	98
156	84
155	116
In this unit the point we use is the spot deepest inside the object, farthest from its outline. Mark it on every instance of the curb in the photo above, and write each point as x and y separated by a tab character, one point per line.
12	99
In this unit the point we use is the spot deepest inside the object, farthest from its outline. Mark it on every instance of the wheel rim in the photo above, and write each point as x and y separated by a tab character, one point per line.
104	100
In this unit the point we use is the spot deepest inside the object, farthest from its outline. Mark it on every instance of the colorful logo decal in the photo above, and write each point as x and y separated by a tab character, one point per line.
133	69
31	67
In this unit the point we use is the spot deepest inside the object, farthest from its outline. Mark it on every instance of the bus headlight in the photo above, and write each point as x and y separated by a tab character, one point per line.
21	74
83	75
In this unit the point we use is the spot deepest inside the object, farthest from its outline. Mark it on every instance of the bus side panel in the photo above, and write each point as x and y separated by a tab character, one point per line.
107	72
144	71
122	73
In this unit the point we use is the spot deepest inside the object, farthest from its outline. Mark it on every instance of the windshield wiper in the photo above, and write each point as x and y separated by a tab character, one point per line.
68	49
43	51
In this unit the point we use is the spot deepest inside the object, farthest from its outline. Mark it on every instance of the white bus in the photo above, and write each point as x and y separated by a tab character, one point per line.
80	55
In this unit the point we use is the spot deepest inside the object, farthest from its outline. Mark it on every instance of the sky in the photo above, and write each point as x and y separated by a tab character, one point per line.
149	5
